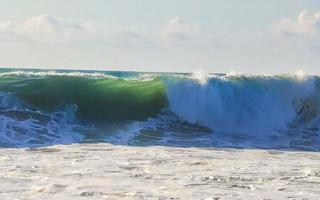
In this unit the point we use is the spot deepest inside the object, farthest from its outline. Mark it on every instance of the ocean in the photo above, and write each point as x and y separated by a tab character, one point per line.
51	107
131	135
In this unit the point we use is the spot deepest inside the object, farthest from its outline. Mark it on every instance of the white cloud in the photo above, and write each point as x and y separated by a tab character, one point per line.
46	29
299	37
50	30
176	27
49	41
178	33
305	24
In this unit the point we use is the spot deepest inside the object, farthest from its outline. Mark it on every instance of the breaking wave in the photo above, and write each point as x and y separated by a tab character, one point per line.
61	107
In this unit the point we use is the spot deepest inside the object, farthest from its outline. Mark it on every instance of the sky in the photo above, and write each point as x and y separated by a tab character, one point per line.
247	36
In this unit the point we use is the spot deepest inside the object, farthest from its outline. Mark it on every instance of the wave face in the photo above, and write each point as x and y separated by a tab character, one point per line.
39	107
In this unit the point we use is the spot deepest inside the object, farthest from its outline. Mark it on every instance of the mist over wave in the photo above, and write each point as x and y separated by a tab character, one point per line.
39	107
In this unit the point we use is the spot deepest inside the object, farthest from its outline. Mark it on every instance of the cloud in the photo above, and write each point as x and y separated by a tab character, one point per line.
300	34
305	24
178	33
176	27
46	29
49	30
50	41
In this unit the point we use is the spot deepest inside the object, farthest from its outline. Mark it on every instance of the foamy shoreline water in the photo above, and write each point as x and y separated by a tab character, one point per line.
105	171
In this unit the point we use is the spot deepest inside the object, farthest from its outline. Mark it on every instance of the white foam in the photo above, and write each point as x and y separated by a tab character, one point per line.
54	73
22	126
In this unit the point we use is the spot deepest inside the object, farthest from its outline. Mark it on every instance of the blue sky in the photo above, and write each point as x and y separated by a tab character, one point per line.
183	35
